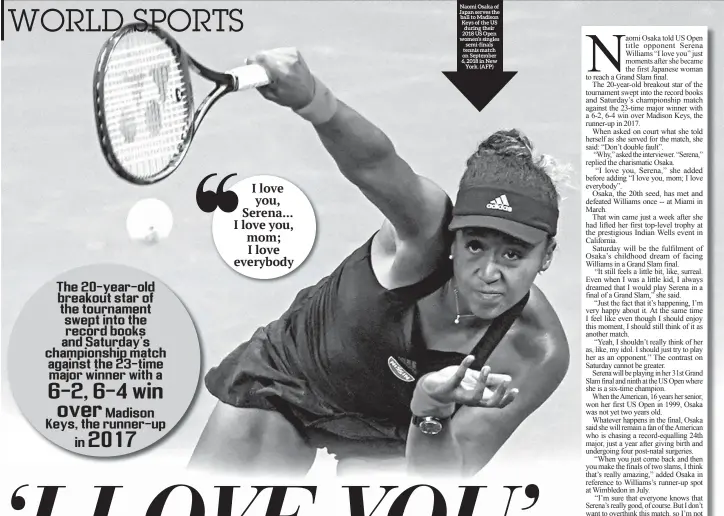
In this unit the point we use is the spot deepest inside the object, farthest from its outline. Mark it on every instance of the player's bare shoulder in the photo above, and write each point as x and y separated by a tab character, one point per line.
539	336
403	259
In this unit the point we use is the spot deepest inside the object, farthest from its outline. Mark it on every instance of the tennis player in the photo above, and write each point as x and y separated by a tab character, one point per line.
430	343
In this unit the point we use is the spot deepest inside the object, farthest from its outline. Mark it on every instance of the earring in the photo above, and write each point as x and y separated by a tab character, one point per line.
451	256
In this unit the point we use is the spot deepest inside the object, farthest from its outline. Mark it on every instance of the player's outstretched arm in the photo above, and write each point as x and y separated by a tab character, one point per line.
493	405
363	153
433	446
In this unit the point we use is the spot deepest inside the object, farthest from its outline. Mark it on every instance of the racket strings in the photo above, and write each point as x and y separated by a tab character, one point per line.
147	104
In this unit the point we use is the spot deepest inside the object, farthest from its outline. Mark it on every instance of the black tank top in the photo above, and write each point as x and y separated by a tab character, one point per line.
345	356
346	337
433	360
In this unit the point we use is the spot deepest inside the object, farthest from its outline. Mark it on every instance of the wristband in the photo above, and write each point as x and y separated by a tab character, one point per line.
423	404
322	107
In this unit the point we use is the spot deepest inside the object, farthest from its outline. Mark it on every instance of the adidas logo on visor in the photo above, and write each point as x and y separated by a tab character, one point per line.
499	203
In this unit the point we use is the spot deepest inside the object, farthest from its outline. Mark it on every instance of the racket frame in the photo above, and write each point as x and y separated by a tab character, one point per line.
224	84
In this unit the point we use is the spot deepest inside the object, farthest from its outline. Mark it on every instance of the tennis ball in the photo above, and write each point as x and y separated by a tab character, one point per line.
149	221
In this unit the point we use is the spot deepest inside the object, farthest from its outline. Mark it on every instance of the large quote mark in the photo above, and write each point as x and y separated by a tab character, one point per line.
208	200
531	491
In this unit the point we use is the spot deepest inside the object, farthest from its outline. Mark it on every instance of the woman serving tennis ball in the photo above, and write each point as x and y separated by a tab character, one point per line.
430	342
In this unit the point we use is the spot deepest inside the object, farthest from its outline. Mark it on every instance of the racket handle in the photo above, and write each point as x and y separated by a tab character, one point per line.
249	76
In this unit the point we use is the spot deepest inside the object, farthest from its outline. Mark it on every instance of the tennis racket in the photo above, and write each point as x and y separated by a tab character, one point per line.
144	104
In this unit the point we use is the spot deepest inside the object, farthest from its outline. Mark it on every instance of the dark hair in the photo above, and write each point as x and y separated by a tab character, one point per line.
507	159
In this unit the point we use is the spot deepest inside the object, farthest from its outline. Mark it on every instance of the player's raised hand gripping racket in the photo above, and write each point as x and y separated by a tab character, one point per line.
144	105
